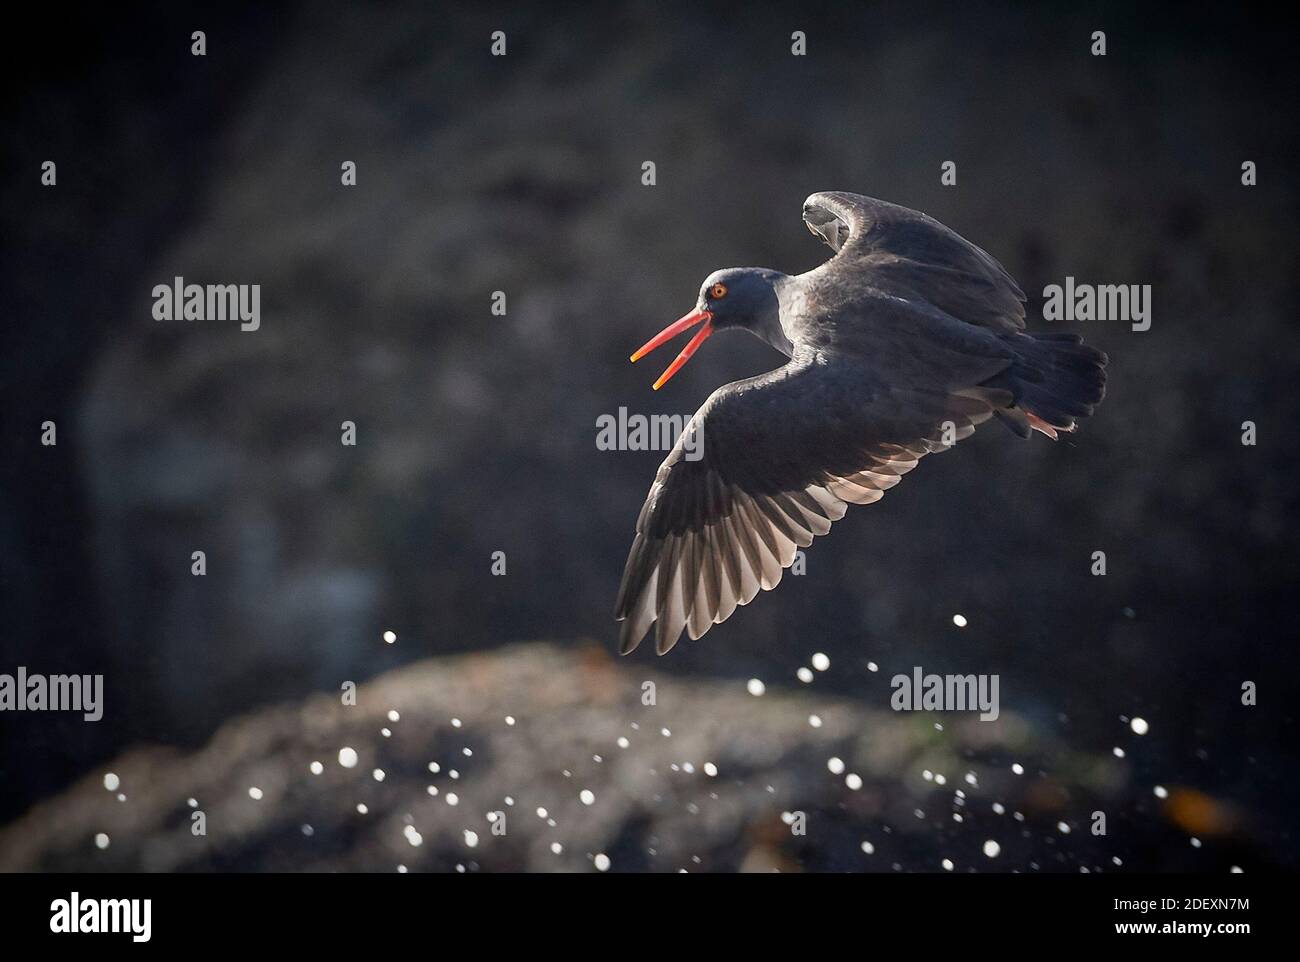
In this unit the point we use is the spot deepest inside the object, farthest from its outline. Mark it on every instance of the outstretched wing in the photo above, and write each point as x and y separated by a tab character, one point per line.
905	253
781	457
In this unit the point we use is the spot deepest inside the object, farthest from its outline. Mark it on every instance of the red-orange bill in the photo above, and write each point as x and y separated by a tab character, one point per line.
668	333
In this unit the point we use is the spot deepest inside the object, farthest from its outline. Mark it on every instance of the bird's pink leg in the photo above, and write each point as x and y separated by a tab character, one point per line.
1038	424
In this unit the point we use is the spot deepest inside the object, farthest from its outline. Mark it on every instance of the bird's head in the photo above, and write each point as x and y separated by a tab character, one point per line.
742	297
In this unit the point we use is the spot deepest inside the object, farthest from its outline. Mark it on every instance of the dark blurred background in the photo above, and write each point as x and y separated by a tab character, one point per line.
476	433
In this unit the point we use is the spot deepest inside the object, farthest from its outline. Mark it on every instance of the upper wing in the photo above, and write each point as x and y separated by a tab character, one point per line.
782	454
910	255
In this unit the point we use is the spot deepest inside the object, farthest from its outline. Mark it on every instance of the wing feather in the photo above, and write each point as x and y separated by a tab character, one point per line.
908	254
716	531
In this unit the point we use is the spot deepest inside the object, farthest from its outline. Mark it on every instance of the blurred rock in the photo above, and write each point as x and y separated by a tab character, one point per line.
710	779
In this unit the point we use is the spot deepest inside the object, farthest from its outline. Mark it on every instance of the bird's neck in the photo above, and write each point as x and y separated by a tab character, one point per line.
772	326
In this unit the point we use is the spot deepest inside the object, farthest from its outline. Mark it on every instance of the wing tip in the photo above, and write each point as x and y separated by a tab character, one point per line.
627	641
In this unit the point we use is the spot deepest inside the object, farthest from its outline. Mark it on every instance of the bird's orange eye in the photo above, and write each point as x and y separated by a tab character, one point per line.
718	291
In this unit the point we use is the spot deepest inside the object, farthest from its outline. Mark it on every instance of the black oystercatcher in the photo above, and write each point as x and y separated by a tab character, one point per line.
899	345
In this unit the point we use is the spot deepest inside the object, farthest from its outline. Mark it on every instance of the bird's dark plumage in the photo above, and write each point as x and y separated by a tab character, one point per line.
900	345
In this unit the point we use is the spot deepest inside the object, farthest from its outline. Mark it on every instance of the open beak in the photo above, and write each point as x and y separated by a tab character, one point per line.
671	331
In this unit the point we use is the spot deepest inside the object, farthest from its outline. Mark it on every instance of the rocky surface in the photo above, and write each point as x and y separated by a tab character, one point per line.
709	778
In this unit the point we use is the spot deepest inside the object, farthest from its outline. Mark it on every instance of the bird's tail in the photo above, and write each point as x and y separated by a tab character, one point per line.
1055	379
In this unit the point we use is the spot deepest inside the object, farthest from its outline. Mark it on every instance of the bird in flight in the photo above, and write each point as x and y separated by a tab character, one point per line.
899	345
